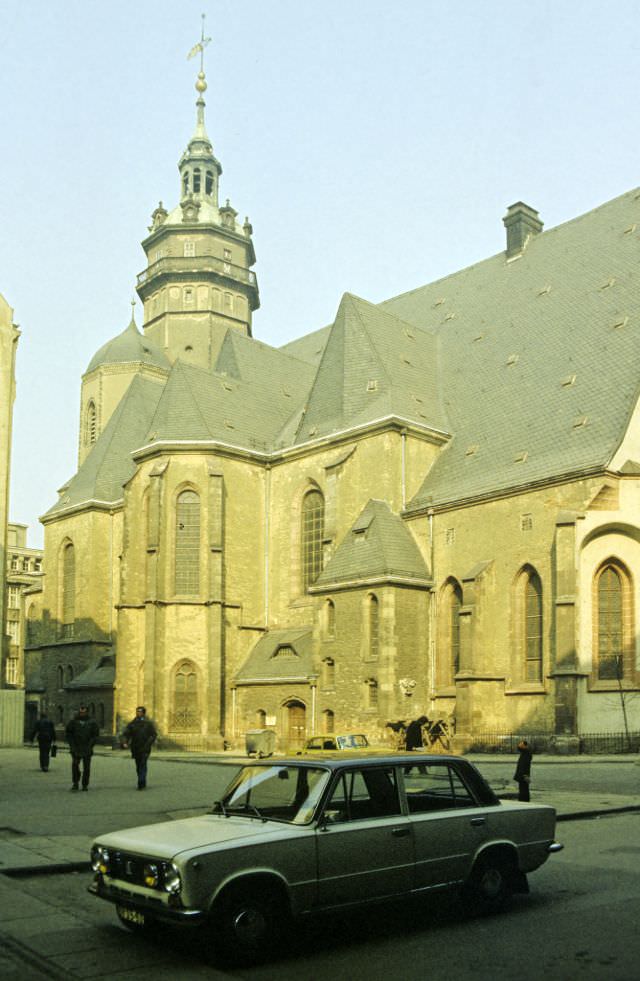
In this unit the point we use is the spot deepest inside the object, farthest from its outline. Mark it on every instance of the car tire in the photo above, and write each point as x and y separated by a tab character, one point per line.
247	923
146	927
489	887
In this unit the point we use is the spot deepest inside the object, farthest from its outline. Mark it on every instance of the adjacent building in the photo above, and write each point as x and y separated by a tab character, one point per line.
430	506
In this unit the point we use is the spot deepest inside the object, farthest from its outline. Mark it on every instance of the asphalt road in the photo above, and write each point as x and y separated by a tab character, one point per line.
578	922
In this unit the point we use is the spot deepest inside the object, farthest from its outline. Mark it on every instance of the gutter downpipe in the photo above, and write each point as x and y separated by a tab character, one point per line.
267	511
403	436
432	615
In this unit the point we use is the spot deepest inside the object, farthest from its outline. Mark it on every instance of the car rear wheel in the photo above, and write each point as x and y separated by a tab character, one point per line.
489	887
247	923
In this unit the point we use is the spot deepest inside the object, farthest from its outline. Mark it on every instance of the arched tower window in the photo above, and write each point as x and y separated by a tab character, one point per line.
185	182
613	622
312	536
330	618
68	584
449	646
196	180
91	424
208	182
185	698
187	557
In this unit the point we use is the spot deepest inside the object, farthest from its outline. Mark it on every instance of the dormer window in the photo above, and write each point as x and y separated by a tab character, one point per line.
208	182
196	180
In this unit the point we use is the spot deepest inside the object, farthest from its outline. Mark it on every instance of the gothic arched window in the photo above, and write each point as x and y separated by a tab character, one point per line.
187	555
613	622
91	424
533	627
185	698
312	536
449	645
68	584
374	626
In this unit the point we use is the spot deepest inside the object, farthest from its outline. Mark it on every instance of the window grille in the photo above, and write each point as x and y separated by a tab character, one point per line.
187	558
312	536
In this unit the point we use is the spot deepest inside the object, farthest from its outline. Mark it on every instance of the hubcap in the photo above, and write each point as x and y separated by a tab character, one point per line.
249	925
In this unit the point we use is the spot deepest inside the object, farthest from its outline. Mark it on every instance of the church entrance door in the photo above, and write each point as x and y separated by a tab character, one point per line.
297	724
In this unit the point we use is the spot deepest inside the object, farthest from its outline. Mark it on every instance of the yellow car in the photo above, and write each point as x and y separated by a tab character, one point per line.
331	743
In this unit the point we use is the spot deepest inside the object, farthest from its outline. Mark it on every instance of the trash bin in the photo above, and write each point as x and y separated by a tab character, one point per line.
260	742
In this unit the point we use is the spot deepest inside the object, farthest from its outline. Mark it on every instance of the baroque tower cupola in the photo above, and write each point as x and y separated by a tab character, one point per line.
198	282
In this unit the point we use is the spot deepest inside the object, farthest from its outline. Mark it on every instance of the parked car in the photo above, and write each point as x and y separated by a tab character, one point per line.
296	836
351	740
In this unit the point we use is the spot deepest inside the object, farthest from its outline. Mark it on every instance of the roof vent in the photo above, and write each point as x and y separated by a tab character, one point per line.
521	223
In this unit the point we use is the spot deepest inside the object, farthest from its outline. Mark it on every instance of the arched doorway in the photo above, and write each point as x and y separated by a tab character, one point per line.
296	724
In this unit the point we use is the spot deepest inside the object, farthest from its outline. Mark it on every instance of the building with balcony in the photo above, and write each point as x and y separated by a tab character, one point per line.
23	579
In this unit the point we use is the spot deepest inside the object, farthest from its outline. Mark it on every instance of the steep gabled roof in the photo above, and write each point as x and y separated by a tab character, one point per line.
373	365
279	656
109	466
378	548
538	355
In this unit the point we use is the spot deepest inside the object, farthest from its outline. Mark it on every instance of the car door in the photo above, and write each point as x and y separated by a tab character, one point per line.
448	824
364	844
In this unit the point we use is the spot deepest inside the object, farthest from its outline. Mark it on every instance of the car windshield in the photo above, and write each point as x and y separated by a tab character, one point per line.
352	742
275	793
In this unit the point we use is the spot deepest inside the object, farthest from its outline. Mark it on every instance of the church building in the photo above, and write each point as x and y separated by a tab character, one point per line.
430	506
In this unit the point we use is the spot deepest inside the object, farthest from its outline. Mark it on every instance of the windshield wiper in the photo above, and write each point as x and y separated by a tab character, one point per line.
248	808
218	803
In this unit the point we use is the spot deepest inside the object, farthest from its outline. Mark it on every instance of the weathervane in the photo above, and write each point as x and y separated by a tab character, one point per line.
199	47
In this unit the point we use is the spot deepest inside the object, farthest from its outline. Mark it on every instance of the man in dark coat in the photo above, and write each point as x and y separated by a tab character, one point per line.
140	736
523	771
45	733
414	733
82	734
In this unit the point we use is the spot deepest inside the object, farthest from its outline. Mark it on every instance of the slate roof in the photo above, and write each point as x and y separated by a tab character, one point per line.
538	355
102	674
373	365
109	465
265	664
378	547
129	347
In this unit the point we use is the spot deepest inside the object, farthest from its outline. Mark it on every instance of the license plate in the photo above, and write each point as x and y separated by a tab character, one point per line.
131	915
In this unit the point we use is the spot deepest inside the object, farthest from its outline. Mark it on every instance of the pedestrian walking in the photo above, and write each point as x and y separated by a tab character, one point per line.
82	734
523	771
414	733
45	733
139	736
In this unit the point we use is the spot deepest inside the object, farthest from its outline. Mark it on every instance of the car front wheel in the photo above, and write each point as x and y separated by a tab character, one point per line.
247	922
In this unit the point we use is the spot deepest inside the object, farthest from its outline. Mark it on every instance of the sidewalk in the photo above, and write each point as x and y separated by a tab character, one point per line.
23	851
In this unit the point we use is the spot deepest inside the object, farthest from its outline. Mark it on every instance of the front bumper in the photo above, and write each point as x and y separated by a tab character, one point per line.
555	846
154	908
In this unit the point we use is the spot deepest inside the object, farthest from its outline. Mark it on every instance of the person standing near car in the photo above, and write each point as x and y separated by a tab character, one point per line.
140	736
522	775
414	733
45	733
82	734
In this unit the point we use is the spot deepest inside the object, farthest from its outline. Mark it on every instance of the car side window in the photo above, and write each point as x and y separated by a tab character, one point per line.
359	794
435	787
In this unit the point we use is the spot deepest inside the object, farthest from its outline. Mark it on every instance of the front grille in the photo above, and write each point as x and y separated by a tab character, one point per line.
127	868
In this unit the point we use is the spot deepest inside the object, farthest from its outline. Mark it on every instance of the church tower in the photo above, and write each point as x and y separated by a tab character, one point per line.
198	282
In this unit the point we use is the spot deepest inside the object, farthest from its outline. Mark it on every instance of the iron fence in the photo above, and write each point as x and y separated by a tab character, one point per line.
592	743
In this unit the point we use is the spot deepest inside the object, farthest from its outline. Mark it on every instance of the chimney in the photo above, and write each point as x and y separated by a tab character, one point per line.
521	223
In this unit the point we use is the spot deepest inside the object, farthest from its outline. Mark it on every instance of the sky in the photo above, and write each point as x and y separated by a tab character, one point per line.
374	145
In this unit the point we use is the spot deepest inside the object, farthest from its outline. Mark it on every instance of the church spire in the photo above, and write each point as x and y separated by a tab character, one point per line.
199	170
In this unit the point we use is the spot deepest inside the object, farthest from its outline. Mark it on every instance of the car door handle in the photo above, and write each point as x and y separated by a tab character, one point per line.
400	832
476	822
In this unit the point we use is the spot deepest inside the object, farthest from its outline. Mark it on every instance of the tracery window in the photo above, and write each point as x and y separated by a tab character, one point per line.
185	714
187	548
613	622
312	536
533	627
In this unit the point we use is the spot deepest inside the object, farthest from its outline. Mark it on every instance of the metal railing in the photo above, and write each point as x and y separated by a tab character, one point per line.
197	264
592	743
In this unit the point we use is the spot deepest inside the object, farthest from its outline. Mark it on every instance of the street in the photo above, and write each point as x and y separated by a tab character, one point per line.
579	920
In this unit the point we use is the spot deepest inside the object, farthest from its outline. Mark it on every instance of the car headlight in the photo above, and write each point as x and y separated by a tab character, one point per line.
151	875
100	859
171	881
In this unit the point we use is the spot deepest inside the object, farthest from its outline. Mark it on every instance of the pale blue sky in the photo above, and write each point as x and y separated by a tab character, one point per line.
374	145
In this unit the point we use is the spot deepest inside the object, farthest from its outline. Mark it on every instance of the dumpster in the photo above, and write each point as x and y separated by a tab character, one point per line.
260	742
